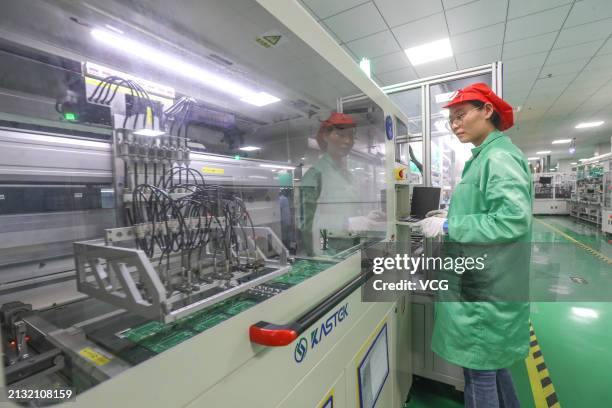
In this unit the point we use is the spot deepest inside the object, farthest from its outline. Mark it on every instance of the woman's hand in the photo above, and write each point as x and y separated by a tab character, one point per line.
432	226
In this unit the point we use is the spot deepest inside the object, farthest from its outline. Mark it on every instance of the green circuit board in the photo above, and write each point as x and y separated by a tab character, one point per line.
158	337
166	340
302	270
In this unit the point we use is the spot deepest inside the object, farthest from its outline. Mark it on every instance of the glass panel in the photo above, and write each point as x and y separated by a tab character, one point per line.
189	168
409	102
448	154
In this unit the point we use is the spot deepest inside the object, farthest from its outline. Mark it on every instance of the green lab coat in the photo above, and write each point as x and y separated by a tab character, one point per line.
328	198
490	213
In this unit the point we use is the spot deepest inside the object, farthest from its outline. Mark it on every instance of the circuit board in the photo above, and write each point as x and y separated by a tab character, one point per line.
158	337
166	340
142	332
300	271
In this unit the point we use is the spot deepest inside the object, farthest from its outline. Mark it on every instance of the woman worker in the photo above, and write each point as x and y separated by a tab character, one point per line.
328	194
491	209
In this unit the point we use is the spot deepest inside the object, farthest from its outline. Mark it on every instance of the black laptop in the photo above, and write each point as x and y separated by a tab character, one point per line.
424	199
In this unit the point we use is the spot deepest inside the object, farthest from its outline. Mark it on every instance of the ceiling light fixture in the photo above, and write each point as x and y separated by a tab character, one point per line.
277	166
573	163
533	158
584	125
562	141
543	152
249	148
144	52
432	51
572	146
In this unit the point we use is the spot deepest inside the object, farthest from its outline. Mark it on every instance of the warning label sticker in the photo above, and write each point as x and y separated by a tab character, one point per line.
271	39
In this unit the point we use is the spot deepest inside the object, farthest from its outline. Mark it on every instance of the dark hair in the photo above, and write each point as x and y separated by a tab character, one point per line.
495	119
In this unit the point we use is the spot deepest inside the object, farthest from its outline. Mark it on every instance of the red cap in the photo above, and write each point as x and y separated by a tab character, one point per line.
481	92
341	120
338	119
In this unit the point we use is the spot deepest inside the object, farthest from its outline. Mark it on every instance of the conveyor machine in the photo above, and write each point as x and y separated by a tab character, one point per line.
145	257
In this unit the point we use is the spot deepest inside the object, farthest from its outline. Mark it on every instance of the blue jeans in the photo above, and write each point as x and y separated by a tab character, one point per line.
489	389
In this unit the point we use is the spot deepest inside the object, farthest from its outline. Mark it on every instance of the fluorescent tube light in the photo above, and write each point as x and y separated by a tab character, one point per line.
573	163
149	132
159	59
533	158
589	124
543	152
277	166
260	99
432	51
562	141
250	148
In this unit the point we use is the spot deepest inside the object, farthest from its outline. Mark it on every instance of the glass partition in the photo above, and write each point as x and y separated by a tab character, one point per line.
163	169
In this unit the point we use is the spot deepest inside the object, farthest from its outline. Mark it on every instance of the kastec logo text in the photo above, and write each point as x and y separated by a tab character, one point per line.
319	333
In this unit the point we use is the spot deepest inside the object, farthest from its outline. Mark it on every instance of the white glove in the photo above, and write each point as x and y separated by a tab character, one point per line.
378	216
432	226
437	213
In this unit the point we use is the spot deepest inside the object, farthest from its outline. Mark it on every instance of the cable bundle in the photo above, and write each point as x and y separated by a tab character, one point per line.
102	95
172	218
178	115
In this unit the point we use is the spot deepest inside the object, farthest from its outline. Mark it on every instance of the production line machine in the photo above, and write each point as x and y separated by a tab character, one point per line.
151	235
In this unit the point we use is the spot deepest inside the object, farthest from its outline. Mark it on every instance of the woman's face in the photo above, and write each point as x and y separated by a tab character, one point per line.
340	141
469	123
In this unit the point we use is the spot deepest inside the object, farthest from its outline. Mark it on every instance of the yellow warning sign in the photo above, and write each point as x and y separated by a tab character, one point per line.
213	170
94	356
270	39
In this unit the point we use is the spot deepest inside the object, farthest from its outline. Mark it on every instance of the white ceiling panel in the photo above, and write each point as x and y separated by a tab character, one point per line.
358	22
584	33
397	76
390	62
326	8
478	57
425	30
586	50
600	66
564	68
520	8
607	48
520	77
449	4
536	24
588	11
587	79
476	15
553	85
374	45
474	40
525	63
399	12
436	68
528	46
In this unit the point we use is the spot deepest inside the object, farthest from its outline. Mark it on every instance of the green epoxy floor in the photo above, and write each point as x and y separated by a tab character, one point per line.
572	321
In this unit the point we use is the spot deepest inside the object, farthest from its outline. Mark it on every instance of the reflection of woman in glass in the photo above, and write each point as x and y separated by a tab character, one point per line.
328	194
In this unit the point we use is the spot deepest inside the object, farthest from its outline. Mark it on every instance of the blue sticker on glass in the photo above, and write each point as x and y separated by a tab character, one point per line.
389	127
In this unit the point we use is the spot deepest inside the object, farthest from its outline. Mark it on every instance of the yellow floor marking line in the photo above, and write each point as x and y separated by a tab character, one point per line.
587	248
542	388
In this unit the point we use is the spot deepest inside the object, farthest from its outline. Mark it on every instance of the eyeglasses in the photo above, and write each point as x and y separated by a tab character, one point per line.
459	118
